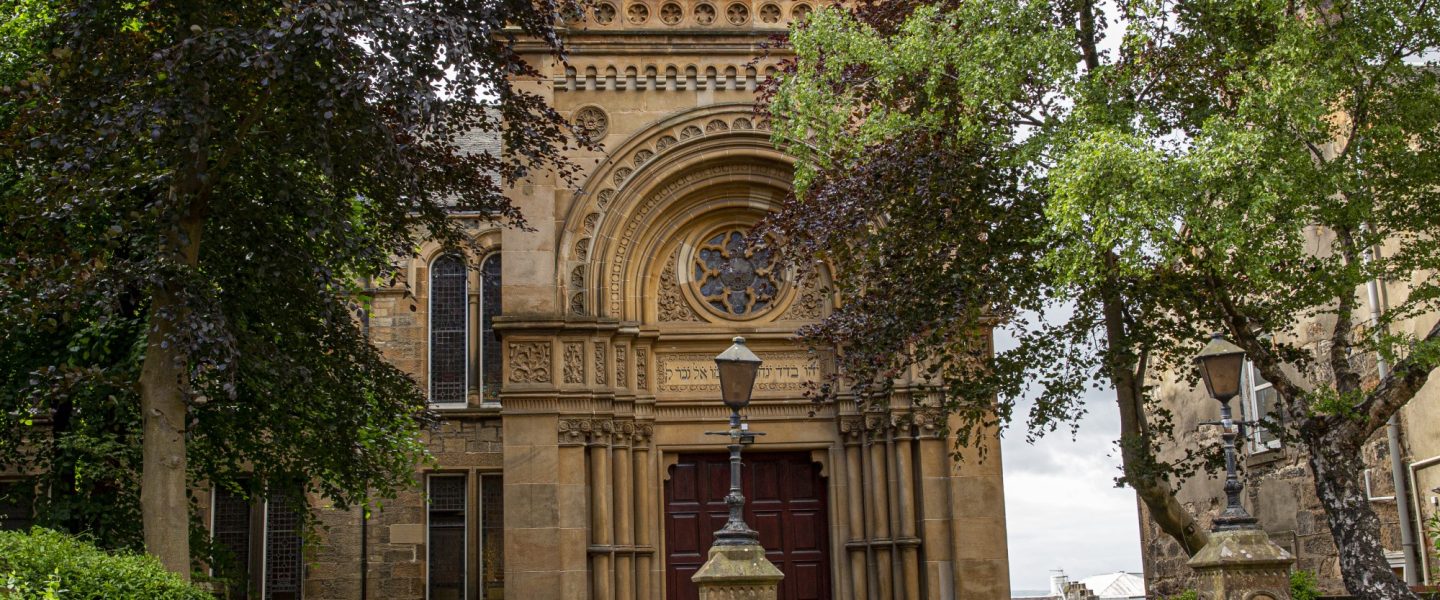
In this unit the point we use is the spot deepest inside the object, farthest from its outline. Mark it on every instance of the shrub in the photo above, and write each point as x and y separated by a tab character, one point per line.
1185	595
43	564
1303	586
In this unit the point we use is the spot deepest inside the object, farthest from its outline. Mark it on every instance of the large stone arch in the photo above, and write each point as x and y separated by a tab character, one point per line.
711	158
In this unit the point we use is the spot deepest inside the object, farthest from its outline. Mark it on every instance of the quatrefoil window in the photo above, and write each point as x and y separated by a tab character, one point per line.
734	278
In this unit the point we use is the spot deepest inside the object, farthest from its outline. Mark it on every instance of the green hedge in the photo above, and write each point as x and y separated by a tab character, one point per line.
43	564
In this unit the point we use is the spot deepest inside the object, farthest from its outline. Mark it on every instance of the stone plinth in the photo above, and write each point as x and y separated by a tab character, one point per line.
736	573
1242	565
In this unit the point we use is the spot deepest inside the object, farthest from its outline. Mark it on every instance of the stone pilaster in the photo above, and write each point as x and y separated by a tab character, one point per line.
1242	565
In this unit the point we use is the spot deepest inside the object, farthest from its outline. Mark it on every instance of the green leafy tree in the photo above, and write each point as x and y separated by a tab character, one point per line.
195	190
1213	166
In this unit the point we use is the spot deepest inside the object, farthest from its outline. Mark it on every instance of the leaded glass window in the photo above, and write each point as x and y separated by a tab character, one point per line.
230	526
492	540
447	537
489	309
448	340
284	565
733	277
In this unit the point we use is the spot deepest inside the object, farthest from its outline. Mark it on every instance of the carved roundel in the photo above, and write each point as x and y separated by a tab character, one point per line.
604	13
637	13
671	13
770	13
800	12
737	14
592	122
705	14
732	278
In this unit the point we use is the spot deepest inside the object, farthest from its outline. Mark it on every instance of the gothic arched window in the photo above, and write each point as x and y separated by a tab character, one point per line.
449	344
489	342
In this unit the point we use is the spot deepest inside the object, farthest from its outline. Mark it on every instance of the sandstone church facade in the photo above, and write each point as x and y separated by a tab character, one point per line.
572	367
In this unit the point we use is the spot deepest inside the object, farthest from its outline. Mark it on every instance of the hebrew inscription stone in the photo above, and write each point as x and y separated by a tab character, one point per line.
782	371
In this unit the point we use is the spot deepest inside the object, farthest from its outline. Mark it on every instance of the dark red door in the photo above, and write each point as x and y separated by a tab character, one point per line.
784	501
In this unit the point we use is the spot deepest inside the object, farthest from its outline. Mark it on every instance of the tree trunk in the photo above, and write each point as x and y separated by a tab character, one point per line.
1137	462
164	507
1353	523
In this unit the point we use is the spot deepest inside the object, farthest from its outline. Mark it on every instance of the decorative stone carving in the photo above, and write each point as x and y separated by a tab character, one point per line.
705	14
603	199
742	123
530	362
716	126
592	122
737	14
770	13
671	13
800	11
582	250
621	174
600	363
574	362
671	304
604	13
809	304
577	303
577	278
591	220
642	364
665	142
637	13
621	353
643	156
690	131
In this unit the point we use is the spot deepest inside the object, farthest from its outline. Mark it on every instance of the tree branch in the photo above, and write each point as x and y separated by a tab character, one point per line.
1393	392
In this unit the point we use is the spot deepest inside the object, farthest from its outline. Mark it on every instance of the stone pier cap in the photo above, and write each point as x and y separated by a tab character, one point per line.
737	572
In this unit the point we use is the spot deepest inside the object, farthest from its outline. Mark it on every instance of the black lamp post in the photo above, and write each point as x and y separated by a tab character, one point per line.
738	367
1220	363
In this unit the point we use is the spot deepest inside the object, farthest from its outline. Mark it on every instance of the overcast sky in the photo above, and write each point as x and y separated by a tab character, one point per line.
1062	508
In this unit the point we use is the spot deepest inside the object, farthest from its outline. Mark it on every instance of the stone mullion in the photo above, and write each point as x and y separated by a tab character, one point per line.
856	547
601	488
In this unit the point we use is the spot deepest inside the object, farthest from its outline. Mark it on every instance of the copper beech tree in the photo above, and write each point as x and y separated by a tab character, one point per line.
193	192
1211	166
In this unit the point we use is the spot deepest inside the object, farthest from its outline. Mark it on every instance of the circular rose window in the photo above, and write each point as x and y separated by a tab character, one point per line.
732	277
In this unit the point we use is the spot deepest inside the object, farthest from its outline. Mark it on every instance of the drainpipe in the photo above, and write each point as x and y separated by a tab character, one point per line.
1415	491
1392	434
365	508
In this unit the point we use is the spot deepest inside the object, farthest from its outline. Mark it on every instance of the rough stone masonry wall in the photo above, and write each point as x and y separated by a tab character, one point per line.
396	527
1279	490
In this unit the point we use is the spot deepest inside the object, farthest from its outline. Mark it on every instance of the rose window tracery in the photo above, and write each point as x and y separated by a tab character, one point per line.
733	277
605	13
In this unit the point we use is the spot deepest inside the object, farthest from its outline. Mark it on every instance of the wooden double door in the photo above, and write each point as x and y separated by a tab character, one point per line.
785	500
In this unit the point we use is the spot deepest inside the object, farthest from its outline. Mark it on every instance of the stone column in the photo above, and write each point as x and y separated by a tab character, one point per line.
738	573
855	505
1242	565
600	524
